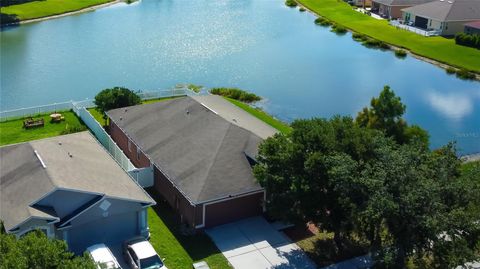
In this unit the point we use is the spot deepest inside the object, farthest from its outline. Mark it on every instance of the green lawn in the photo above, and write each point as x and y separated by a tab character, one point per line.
12	131
437	48
263	116
39	9
180	251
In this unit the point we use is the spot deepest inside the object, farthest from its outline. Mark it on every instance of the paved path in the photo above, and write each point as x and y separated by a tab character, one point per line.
254	244
236	115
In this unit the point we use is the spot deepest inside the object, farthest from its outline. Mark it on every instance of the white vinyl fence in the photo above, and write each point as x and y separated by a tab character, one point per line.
105	139
32	111
143	176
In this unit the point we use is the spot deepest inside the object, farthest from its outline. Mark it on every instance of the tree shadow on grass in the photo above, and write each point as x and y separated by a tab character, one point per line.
198	245
8	19
325	252
6	3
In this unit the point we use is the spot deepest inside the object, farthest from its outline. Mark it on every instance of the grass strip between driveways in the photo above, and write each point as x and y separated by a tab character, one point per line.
437	48
179	250
45	8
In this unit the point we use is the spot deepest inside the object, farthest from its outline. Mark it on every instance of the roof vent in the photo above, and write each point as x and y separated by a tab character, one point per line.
450	2
70	155
188	112
39	158
126	110
59	143
121	118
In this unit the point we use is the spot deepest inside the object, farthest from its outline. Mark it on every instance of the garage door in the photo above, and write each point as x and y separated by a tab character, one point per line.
233	210
421	22
111	230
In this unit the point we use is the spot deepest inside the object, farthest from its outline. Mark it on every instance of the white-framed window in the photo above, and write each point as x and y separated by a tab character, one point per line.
138	154
44	228
129	146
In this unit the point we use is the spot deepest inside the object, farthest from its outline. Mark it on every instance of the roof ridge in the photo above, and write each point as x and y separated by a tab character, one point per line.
216	153
451	2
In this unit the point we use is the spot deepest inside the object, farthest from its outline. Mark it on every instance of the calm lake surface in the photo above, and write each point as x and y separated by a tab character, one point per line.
301	70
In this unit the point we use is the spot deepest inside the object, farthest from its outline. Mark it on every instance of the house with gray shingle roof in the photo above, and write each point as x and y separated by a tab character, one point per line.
392	9
448	17
70	188
202	150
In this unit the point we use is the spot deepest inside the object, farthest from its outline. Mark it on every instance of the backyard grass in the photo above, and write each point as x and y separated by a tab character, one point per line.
438	48
12	131
263	116
180	251
45	8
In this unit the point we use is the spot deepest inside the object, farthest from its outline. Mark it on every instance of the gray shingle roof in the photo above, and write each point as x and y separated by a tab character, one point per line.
401	2
23	179
203	154
448	10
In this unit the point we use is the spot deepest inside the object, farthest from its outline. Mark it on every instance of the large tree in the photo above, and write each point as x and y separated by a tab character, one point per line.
407	201
386	114
35	250
115	98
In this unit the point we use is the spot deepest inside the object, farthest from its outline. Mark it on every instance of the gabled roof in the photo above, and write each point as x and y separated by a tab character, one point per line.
401	2
73	162
203	154
448	10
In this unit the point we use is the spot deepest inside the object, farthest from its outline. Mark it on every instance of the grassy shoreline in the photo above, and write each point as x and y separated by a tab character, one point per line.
46	9
437	48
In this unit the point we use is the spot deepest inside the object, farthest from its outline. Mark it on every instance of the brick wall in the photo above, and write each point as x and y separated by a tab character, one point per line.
122	141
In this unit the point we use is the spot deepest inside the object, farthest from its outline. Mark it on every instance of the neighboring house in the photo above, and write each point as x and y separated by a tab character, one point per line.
472	28
202	162
392	9
70	188
448	17
361	3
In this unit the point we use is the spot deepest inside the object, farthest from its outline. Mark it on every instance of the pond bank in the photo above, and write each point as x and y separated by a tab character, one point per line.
436	50
68	13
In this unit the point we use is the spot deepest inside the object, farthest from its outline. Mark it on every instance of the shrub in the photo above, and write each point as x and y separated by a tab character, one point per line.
291	3
194	88
114	98
401	53
339	29
70	129
465	74
359	37
374	43
450	70
236	94
322	22
470	40
302	9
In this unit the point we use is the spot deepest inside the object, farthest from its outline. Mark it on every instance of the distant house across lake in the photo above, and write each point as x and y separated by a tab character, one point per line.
448	17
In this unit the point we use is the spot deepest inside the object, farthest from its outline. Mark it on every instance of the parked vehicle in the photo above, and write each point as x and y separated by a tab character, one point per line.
140	254
103	257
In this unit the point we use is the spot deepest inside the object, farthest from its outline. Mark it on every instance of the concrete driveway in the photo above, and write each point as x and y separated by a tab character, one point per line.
254	244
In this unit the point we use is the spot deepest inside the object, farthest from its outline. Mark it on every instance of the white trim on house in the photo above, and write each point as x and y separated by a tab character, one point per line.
54	219
81	212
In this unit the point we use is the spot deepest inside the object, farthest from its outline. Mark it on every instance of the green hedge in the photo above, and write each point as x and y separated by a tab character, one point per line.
468	40
236	94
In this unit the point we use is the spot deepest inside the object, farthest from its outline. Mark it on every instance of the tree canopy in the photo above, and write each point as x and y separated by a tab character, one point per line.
386	114
406	201
115	97
35	250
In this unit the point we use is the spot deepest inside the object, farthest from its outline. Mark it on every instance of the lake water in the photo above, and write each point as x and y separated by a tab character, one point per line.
302	70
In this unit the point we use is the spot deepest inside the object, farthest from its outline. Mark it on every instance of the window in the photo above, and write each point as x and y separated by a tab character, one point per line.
138	154
129	146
